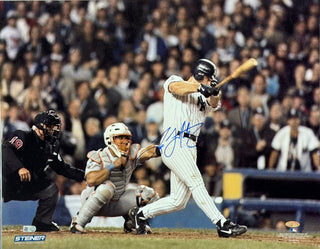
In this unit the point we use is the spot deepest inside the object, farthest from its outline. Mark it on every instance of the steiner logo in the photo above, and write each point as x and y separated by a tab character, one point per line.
29	238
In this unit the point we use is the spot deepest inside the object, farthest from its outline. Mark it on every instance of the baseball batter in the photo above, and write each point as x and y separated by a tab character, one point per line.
107	174
186	104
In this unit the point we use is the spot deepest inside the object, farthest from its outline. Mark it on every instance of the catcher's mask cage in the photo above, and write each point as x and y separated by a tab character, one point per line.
116	130
49	122
205	67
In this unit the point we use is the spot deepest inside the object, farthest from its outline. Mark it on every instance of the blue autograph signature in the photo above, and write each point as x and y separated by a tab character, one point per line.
170	137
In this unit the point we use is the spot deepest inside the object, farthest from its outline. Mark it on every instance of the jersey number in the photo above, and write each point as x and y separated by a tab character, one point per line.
16	142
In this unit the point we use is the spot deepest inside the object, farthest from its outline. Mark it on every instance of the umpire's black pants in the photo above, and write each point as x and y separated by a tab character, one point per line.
48	199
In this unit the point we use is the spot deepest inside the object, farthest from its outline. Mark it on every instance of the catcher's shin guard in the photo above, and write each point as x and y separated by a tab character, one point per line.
96	200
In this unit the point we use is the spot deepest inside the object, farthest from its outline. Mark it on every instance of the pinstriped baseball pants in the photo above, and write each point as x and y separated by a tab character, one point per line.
185	180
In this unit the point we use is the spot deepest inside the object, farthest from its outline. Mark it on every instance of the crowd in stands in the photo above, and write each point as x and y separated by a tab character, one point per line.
98	62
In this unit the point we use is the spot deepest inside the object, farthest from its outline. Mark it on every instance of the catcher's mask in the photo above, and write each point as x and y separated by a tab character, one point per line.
50	123
205	67
118	137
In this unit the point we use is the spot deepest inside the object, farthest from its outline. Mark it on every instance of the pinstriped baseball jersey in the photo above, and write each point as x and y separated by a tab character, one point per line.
119	177
179	108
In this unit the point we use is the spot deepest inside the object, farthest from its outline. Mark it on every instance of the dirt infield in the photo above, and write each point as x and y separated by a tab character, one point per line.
294	238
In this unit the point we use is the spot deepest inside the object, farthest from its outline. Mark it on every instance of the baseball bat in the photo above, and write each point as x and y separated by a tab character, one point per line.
245	67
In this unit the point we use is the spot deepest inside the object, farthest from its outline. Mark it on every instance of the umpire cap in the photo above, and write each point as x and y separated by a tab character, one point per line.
49	118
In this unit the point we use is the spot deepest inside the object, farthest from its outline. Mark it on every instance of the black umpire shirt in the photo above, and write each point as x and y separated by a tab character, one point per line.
26	150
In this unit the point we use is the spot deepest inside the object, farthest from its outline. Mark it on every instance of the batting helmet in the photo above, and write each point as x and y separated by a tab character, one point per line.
50	123
205	67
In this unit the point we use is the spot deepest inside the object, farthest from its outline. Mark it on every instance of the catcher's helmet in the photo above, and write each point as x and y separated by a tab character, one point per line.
205	67
46	121
114	130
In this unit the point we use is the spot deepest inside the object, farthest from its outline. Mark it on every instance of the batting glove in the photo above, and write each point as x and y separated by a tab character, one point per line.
205	90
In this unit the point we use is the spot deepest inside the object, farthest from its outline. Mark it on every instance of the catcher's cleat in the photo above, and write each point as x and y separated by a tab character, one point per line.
76	228
44	227
128	226
230	229
140	221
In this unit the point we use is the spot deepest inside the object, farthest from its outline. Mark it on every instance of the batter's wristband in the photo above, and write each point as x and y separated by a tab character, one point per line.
110	167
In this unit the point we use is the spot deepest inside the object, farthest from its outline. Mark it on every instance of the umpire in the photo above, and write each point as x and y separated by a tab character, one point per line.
25	159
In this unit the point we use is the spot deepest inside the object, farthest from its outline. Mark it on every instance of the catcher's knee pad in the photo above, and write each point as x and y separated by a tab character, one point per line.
145	195
105	192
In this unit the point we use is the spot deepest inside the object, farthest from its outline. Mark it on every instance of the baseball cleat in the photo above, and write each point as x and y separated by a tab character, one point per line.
140	221
76	228
230	229
128	226
44	227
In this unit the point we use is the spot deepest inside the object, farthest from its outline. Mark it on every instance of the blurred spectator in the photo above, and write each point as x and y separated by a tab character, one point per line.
30	61
126	112
240	116
296	147
256	138
259	90
275	120
272	87
89	106
22	21
74	69
74	125
93	133
139	66
11	35
7	76
20	81
208	137
226	147
14	115
7	127
212	178
68	142
64	85
51	95
38	43
137	126
125	85
156	48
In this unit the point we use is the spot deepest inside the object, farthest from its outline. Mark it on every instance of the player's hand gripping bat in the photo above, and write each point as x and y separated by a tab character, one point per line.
245	67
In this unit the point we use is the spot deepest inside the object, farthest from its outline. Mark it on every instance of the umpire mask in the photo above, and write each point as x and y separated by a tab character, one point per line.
50	123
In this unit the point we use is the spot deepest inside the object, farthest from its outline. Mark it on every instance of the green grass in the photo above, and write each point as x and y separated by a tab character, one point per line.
121	241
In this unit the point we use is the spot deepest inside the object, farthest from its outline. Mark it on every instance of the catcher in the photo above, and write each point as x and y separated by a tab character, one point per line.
107	174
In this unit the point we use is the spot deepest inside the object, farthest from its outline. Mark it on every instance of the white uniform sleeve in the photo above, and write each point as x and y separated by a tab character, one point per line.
172	78
97	160
92	166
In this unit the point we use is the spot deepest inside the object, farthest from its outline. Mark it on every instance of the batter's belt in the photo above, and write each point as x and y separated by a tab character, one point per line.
188	135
